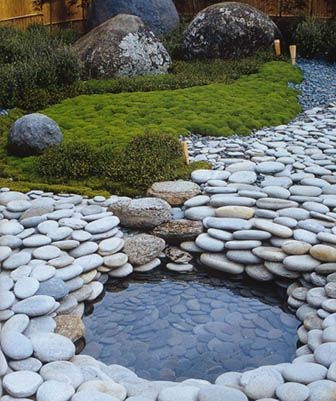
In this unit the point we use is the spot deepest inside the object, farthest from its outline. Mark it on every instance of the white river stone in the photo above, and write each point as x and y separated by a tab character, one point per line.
22	384
26	287
50	347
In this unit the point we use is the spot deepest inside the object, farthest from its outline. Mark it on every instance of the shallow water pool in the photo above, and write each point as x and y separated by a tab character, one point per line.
168	327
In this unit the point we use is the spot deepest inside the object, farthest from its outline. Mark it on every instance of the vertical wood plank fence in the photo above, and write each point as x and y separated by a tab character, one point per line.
23	13
274	8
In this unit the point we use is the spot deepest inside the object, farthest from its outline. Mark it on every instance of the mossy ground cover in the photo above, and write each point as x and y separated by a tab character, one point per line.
254	101
219	109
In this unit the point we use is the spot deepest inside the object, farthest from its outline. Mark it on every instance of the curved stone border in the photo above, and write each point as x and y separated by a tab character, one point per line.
271	216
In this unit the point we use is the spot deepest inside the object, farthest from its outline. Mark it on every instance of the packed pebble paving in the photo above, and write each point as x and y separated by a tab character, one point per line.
266	210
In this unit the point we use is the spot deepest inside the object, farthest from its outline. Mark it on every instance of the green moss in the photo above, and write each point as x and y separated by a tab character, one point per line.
113	120
255	101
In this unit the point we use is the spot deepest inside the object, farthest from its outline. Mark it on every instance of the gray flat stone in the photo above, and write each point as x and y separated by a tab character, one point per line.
36	305
26	287
304	373
50	347
15	345
220	262
53	287
220	393
31	364
22	384
52	390
322	390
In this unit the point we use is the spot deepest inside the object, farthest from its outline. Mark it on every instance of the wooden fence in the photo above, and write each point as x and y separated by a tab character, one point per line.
55	13
274	8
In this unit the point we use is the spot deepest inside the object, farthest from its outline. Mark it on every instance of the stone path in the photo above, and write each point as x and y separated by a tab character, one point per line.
319	85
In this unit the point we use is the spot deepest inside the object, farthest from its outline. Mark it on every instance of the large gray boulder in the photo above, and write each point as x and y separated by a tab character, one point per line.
122	46
229	30
32	134
160	15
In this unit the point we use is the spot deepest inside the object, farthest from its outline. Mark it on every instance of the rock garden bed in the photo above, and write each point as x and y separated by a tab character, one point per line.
267	211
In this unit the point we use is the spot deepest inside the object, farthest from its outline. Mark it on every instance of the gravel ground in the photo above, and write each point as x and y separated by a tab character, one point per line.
319	85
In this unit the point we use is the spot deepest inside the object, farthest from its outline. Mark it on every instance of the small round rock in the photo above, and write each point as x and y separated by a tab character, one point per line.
292	392
22	384
53	390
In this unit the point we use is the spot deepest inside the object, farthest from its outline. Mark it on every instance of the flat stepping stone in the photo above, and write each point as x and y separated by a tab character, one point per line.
36	241
304	373
116	260
36	305
15	345
63	371
5	252
26	287
53	390
22	384
220	262
50	347
102	225
270	167
122	271
54	287
47	252
6	300
111	246
17	323
10	228
16	260
86	248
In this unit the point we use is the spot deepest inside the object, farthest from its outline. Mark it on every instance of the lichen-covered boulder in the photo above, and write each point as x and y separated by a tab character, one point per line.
160	15
122	46
229	30
32	134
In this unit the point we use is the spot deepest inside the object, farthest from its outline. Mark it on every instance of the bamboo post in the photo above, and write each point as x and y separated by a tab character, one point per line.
185	151
292	50
277	47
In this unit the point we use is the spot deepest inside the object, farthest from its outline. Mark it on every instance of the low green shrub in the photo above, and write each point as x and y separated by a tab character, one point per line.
316	38
72	161
287	27
146	159
309	37
173	41
330	42
151	157
36	68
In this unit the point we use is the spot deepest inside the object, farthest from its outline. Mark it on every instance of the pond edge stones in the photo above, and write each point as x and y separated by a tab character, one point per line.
290	240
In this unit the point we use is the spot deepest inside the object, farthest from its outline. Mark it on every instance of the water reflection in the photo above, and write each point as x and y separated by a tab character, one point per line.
171	327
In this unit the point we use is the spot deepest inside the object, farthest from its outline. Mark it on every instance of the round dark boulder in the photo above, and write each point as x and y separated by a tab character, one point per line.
229	30
160	15
32	134
122	46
